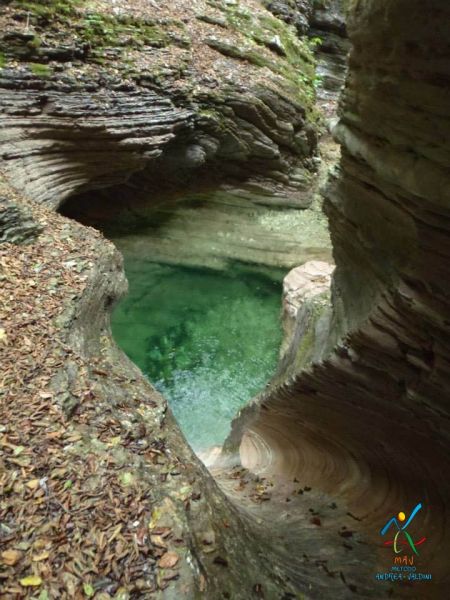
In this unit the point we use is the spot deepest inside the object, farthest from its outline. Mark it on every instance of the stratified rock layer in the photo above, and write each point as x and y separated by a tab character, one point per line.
96	479
16	223
89	97
324	22
329	29
369	423
57	143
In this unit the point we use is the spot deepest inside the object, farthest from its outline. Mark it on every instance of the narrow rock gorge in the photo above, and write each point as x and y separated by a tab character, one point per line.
300	148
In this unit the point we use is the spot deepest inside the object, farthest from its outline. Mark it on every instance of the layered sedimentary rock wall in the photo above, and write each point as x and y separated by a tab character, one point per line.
368	423
91	96
329	29
57	143
324	22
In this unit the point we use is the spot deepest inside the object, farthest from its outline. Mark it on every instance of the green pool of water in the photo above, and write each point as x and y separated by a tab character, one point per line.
207	340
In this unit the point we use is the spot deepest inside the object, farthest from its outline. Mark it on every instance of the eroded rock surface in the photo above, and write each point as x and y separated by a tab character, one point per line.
324	23
295	12
368	423
16	223
301	286
100	493
214	229
328	27
90	96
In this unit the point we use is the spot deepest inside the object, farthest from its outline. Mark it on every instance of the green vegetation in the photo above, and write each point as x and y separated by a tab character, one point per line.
95	31
317	307
290	56
100	30
2	60
268	42
40	70
314	42
48	10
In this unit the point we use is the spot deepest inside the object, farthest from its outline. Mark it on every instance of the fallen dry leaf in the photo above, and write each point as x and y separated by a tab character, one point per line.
11	557
169	560
33	484
157	540
39	557
31	581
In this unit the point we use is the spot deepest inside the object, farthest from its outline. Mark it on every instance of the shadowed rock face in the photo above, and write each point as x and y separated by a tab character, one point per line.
328	25
324	22
294	12
369	423
16	223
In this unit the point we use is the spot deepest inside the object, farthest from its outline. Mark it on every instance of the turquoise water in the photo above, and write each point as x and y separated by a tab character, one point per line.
207	340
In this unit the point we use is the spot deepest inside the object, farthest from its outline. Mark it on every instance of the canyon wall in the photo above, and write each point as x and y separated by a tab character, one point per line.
368	422
324	23
90	97
100	494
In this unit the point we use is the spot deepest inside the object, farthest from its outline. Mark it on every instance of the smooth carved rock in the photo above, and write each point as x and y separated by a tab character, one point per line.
305	316
310	279
89	386
369	421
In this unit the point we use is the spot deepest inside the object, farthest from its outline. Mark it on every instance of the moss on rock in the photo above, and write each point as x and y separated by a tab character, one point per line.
91	30
40	70
289	57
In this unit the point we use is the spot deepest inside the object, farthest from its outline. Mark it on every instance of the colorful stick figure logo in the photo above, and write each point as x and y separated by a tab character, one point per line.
397	542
